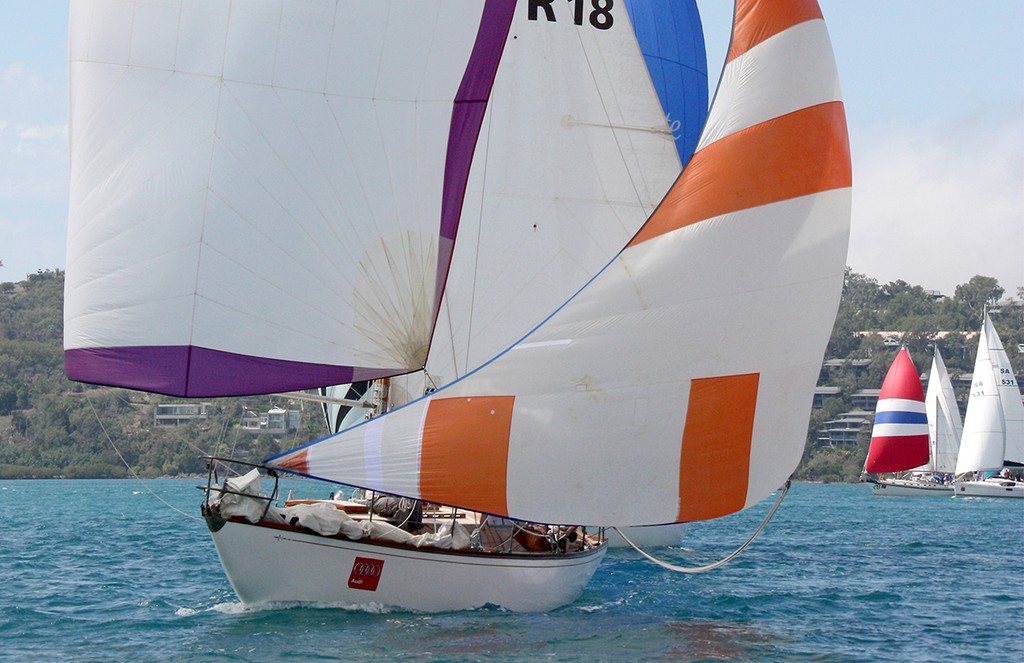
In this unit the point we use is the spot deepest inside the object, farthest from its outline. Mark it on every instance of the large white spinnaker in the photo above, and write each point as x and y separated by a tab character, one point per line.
256	189
707	330
266	199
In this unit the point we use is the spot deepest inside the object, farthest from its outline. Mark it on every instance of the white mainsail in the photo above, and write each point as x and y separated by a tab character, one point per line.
945	426
994	423
707	329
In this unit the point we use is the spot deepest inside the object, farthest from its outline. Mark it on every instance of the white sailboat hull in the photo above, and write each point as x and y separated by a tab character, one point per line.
271	564
910	488
994	487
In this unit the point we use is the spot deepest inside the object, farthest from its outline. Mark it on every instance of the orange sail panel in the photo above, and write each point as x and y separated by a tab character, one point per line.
297	462
464	456
758	21
715	459
794	155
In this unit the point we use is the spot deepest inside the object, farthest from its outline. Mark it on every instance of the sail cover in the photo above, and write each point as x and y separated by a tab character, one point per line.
266	196
899	438
677	384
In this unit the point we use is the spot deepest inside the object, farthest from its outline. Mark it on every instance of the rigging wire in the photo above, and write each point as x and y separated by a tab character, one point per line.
133	473
724	560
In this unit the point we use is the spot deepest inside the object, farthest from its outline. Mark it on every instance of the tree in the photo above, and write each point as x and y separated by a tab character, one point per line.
977	293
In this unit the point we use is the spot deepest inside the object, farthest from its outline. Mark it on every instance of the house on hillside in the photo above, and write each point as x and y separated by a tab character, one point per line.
175	414
847	430
276	421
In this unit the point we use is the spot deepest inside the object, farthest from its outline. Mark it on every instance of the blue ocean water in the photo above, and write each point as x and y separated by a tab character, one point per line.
105	571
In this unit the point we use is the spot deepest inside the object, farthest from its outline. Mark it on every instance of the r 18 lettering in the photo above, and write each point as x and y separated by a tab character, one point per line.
600	15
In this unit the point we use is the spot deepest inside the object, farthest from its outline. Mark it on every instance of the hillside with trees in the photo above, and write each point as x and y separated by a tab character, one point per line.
872	323
52	427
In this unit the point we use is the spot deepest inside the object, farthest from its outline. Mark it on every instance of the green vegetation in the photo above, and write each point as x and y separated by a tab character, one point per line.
919	320
51	427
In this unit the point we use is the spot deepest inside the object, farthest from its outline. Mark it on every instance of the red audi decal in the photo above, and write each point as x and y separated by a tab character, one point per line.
365	573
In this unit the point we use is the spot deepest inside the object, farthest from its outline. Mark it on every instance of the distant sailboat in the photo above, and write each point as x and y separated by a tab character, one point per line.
477	208
899	438
993	434
943	430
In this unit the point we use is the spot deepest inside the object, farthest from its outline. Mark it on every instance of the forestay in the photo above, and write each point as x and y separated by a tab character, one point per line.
677	384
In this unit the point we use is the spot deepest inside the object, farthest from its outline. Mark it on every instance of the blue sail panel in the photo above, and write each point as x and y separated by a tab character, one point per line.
672	40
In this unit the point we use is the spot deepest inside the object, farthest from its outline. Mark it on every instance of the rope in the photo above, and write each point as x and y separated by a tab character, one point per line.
724	560
137	477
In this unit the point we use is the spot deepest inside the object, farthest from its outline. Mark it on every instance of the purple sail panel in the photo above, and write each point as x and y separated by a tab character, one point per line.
467	118
470	105
201	372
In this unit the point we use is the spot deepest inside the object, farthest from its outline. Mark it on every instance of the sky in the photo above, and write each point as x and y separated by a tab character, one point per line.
934	94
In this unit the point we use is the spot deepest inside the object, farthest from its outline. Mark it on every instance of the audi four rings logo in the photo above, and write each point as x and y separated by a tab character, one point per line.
366	573
366	569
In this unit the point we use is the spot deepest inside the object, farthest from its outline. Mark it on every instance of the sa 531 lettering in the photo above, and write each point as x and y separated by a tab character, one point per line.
599	16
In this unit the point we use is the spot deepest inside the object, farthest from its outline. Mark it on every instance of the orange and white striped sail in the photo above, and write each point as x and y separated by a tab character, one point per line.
677	384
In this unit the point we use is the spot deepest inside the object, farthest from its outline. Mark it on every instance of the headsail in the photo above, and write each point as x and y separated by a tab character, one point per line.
707	330
899	438
945	425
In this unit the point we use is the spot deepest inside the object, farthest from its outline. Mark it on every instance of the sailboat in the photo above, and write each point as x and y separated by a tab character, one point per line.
900	435
477	207
993	435
944	427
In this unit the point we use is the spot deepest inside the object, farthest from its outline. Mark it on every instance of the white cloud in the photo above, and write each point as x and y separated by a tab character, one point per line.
937	203
39	141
